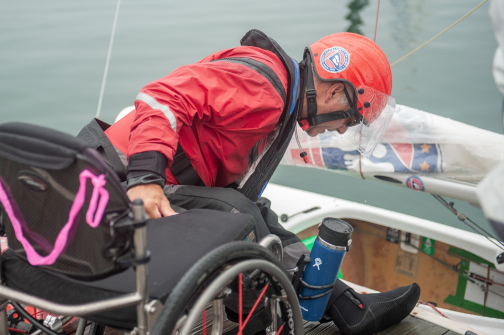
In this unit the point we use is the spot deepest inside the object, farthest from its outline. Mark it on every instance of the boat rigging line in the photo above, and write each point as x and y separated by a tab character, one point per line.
376	22
441	33
431	305
109	53
374	40
470	223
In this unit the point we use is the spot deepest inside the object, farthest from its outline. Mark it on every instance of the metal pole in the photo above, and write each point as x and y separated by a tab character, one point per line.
142	273
74	310
3	319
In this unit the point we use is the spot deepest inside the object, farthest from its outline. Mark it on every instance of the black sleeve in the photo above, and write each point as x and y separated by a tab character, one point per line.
147	168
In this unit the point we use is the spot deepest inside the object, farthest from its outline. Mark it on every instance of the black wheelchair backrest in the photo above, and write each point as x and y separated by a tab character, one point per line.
59	203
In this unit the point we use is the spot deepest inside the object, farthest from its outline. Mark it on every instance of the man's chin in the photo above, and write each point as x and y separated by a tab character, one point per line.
312	132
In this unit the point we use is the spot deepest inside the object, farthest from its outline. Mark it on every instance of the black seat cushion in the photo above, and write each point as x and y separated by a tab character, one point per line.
175	243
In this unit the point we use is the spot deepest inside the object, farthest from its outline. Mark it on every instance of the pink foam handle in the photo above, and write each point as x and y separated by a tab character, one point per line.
98	193
98	202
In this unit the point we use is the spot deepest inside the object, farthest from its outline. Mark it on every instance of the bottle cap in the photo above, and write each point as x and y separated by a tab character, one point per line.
335	231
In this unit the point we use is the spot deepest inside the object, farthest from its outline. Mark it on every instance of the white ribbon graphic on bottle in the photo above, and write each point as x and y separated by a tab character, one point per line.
318	263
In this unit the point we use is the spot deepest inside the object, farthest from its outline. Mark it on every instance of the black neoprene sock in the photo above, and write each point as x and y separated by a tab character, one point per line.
363	314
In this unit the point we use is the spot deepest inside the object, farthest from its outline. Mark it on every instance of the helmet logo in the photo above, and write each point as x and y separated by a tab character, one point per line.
335	59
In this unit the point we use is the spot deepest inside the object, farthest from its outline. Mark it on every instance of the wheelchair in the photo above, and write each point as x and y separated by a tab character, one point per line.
80	250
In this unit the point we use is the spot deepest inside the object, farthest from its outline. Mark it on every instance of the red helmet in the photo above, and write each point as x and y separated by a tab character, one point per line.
357	60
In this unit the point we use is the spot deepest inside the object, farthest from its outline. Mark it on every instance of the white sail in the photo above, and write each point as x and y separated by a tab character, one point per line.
420	150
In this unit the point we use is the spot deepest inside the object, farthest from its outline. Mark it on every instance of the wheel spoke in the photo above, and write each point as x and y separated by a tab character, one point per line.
204	321
253	308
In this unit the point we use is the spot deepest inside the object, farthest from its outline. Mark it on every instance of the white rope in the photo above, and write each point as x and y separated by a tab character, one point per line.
376	22
102	90
441	33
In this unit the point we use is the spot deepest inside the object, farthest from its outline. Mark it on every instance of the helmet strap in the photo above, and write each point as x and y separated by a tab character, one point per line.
311	93
337	115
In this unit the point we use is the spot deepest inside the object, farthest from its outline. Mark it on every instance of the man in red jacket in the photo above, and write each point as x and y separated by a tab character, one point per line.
225	123
216	110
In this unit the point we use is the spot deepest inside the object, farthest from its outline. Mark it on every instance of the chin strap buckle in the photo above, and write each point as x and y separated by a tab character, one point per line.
304	124
311	95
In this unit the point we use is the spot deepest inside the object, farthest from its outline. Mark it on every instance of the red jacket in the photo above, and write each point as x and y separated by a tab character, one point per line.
218	111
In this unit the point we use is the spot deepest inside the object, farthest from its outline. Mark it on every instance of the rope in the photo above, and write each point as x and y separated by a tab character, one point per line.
374	40
441	33
462	217
109	53
376	23
420	302
360	167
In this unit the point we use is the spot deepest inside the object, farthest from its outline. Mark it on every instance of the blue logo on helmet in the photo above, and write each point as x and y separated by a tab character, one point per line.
334	59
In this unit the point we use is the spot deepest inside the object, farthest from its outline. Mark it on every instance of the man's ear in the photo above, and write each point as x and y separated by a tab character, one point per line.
334	89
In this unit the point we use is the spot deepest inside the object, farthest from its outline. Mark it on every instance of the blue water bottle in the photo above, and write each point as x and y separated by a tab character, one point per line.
331	245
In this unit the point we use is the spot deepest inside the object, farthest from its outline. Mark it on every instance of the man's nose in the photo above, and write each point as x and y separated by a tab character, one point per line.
342	129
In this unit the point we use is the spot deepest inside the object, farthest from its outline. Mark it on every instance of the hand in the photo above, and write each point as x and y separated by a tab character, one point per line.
155	202
377	162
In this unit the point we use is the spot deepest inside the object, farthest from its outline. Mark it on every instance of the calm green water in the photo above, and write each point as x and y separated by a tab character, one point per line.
53	52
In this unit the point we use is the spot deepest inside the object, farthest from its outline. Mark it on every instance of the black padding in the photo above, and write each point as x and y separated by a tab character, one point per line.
177	242
94	135
43	208
38	146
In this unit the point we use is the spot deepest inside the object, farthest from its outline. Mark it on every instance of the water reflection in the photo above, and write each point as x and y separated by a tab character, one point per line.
355	7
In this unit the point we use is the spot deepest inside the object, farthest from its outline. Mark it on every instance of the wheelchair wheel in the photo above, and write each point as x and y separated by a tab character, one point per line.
244	277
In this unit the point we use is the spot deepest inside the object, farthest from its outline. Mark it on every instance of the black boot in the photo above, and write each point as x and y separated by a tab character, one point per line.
365	314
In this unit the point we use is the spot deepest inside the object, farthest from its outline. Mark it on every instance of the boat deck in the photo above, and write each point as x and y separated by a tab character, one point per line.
411	326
